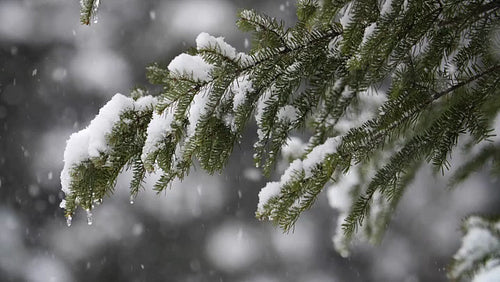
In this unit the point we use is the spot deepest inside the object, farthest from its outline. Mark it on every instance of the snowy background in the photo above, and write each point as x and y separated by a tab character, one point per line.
55	75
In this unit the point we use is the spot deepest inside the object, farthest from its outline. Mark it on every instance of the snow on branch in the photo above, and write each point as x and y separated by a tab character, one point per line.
316	76
296	168
480	250
91	142
185	65
88	11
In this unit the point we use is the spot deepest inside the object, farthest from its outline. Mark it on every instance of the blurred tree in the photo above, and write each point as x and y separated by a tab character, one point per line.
380	86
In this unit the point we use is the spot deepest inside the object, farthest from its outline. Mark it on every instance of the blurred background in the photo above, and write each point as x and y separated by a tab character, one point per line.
55	75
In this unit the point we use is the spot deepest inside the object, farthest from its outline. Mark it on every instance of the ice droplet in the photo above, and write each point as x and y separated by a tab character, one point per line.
132	198
69	218
89	217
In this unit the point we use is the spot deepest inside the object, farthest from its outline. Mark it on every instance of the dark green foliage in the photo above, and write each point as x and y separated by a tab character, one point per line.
435	63
95	178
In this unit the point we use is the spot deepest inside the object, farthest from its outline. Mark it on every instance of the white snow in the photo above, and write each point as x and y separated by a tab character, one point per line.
228	119
287	113
369	103
319	153
77	150
405	5
476	244
339	194
346	18
377	208
207	41
241	87
271	190
145	103
91	142
95	8
342	195
197	109
261	104
339	239
158	128
237	91
386	8
338	84
185	64
347	92
287	176
334	45
340	198
368	32
259	111
293	149
490	273
372	98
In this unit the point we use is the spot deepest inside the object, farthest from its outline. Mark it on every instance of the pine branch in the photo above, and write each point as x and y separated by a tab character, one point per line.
434	56
466	82
88	11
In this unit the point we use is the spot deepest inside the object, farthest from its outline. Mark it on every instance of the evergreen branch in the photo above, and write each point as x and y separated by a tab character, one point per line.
487	153
466	82
207	53
91	172
88	11
249	20
443	82
436	142
258	59
373	133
